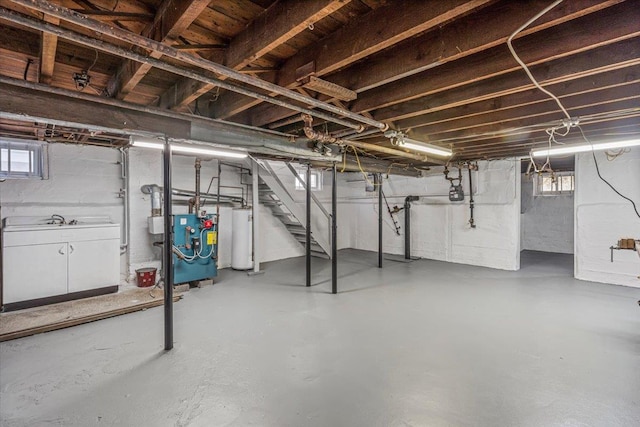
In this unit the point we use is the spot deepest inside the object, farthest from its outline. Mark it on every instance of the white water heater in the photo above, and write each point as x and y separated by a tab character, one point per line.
242	239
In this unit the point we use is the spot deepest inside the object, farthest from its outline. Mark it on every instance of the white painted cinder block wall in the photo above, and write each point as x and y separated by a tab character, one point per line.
546	221
439	228
344	219
86	180
603	217
83	181
146	168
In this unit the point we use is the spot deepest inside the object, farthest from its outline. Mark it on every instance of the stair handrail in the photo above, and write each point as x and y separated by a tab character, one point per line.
274	175
316	201
313	196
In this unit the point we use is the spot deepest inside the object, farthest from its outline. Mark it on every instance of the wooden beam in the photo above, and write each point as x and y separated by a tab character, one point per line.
616	84
278	24
361	37
611	25
607	58
521	145
172	18
76	107
576	105
611	79
211	46
452	42
524	126
108	15
49	45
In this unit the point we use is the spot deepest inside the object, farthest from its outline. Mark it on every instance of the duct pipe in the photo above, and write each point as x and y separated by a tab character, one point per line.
146	189
383	167
407	225
124	192
196	198
146	43
156	198
328	139
472	221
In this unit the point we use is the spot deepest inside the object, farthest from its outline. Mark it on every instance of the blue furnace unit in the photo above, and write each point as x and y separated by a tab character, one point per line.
195	247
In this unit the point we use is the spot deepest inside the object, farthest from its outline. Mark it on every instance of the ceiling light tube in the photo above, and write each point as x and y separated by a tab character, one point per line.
583	148
425	148
189	149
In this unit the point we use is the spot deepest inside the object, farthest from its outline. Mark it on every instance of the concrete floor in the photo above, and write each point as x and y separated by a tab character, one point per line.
420	344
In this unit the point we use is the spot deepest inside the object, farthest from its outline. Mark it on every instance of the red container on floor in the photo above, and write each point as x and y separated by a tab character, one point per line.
146	277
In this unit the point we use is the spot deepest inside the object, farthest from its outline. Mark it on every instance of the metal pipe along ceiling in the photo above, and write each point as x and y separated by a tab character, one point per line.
326	138
146	43
17	18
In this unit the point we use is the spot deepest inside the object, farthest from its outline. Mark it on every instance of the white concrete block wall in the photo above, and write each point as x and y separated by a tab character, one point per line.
440	228
546	221
324	196
602	217
83	181
86	180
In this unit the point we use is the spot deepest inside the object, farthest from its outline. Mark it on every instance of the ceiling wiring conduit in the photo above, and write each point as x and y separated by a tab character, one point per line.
146	43
124	53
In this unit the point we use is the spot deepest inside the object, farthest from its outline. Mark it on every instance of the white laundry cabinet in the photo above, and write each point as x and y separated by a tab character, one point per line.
41	261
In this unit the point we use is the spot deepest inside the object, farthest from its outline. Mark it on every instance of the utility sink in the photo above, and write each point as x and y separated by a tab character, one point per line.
25	223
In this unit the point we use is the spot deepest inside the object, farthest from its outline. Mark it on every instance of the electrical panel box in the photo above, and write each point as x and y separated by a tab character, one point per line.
456	193
195	247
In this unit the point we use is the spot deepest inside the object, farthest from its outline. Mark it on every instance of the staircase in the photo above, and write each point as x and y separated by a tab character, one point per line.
274	195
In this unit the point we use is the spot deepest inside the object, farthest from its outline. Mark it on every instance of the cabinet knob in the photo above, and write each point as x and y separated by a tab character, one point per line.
71	249
61	251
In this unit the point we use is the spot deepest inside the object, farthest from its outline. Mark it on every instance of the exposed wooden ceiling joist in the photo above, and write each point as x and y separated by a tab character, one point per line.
275	26
356	40
172	18
449	43
439	70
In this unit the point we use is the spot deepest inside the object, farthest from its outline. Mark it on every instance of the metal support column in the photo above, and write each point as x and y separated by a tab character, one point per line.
168	244
256	223
379	220
308	225
334	234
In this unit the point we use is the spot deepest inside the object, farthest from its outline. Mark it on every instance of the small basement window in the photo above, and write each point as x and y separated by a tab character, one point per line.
22	159
316	180
555	184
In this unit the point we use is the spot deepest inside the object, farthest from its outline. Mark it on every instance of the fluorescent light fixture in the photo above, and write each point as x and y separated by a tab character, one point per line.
425	148
189	149
401	140
583	148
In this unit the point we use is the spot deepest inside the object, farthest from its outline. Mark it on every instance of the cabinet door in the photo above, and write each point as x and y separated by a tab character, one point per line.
34	271
94	264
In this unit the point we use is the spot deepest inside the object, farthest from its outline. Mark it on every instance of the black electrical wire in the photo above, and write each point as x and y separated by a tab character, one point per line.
595	160
26	68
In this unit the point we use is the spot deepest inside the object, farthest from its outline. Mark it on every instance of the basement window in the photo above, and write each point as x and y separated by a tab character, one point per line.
22	159
316	180
555	184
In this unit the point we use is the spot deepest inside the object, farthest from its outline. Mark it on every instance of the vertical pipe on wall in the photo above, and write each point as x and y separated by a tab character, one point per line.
472	221
256	226
334	234
196	202
407	225
308	225
379	220
168	245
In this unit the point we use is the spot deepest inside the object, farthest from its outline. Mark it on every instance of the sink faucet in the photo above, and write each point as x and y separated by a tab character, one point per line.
57	219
